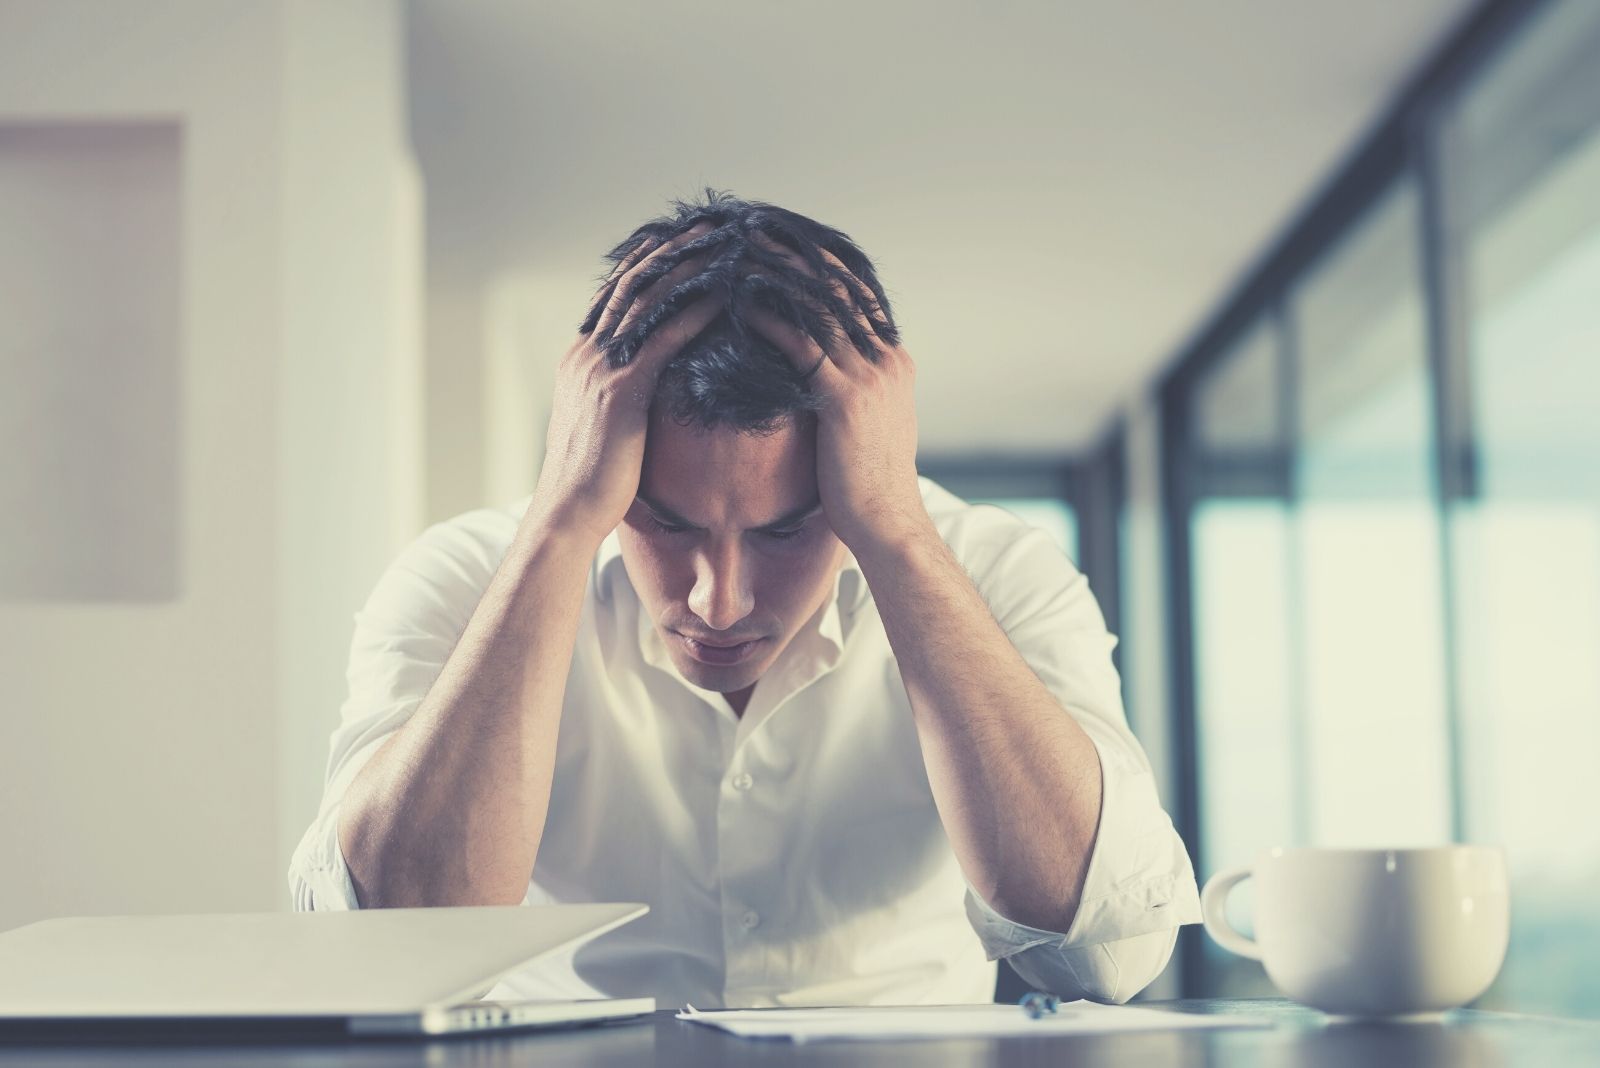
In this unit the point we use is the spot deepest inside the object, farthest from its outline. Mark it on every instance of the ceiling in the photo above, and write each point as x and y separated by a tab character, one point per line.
1056	194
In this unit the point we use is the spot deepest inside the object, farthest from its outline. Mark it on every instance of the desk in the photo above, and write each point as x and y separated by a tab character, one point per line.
1466	1039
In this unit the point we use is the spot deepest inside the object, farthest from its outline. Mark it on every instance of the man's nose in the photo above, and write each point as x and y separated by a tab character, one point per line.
722	593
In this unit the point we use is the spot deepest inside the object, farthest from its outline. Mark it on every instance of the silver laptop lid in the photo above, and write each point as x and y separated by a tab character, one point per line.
282	963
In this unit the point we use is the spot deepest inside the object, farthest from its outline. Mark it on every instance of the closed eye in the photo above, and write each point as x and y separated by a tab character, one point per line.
661	526
664	528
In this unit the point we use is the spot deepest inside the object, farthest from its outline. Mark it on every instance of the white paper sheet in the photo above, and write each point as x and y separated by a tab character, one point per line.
953	1021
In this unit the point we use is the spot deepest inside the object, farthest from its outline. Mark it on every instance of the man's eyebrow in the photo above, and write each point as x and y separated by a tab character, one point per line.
788	519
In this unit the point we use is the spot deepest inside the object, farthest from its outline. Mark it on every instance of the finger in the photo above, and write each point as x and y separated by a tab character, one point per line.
623	265
665	340
802	350
868	312
659	291
840	288
842	347
845	289
622	294
633	257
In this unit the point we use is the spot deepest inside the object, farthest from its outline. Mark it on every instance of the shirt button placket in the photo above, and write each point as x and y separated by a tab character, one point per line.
742	958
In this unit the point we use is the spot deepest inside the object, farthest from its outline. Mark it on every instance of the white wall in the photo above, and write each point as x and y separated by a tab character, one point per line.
159	755
493	345
531	321
349	421
454	331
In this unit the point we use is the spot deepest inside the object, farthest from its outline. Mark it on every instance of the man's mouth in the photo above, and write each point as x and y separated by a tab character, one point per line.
720	652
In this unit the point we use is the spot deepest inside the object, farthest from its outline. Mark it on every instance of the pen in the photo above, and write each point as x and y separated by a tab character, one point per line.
1036	1003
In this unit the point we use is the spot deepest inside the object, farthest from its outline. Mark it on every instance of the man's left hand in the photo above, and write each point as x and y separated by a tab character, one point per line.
867	429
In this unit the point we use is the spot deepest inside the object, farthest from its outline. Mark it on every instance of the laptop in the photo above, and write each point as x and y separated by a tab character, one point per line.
370	972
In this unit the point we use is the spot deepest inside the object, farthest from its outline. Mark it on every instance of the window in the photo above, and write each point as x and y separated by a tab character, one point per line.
1386	513
1248	752
1367	543
1523	153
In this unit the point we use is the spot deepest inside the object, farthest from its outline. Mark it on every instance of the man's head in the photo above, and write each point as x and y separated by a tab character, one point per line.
726	543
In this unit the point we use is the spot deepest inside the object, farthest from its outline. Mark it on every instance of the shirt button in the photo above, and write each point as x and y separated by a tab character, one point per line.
750	920
743	781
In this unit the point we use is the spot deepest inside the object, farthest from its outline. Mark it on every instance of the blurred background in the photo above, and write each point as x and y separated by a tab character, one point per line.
1282	315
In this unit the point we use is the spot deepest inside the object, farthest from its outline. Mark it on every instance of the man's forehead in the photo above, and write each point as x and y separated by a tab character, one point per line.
788	449
722	476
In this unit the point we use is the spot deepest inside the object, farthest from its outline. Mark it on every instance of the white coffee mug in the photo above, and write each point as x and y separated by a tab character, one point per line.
1372	932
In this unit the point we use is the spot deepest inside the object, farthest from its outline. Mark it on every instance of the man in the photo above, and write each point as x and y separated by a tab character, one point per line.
850	738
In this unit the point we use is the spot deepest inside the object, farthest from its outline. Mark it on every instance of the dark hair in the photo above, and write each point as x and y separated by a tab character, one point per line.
729	374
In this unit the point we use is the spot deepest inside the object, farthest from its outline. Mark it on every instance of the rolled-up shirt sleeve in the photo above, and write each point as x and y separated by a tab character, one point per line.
1139	887
403	636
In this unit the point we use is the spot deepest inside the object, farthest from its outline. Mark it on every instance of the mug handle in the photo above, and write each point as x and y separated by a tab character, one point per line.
1212	901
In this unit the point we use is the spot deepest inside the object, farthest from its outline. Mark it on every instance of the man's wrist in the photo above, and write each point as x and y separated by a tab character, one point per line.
552	530
893	538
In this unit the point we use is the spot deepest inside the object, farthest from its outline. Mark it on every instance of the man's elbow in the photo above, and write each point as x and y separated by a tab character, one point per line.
1137	962
1110	973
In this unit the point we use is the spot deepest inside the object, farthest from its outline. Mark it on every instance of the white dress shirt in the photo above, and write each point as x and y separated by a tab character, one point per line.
791	856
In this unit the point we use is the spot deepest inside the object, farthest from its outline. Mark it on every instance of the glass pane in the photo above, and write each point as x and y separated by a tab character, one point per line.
1247	753
1237	409
1526	164
1367	544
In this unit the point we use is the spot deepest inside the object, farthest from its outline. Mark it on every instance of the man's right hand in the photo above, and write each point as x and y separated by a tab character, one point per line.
595	445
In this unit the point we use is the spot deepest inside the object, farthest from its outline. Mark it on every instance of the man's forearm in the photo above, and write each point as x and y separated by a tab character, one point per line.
1016	780
450	810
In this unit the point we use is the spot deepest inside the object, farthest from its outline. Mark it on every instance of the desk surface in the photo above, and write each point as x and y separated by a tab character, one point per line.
1464	1039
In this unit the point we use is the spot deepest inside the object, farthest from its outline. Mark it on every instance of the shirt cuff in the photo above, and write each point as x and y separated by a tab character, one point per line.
319	879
